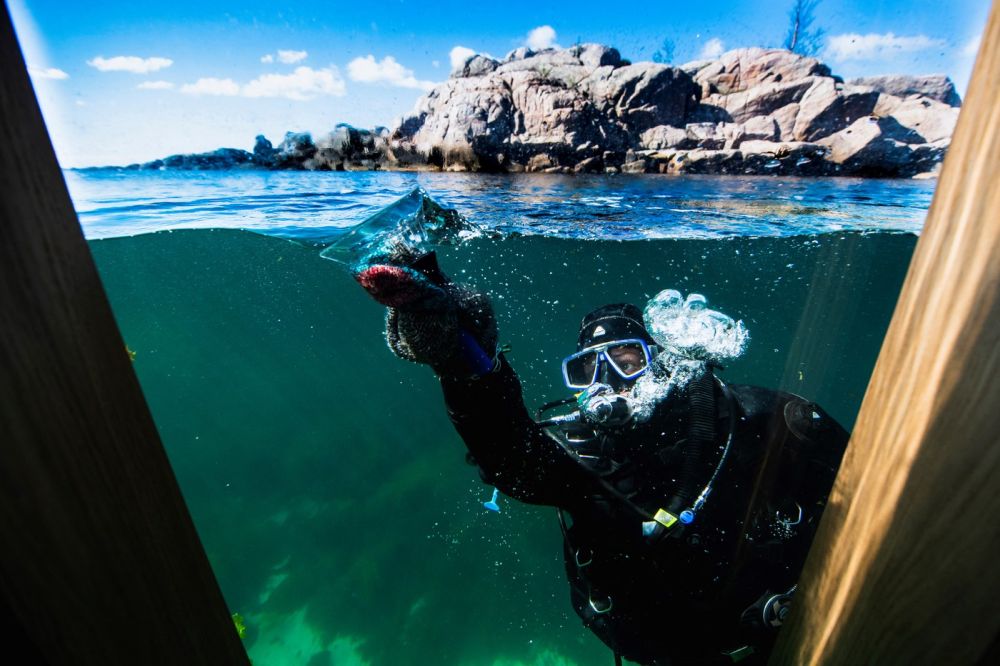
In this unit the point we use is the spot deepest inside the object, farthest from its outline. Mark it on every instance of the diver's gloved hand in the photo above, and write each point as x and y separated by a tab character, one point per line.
431	319
600	405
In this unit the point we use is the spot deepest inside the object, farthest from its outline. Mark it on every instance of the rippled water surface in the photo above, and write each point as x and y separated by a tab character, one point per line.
311	205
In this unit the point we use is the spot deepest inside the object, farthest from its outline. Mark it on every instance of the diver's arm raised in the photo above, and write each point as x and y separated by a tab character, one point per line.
512	451
451	327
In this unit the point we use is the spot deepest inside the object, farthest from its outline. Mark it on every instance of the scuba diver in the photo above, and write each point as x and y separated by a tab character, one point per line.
687	504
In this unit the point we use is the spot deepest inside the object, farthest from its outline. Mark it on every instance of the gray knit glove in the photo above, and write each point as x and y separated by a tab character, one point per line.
431	319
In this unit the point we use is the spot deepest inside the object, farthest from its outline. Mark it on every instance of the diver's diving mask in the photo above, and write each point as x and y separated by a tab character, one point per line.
627	358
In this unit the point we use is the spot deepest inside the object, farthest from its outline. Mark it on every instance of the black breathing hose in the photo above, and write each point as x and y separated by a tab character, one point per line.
701	436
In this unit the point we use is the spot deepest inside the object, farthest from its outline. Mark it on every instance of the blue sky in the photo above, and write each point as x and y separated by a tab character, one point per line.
122	82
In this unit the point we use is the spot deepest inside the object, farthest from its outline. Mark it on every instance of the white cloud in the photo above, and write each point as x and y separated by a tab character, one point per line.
286	56
542	37
459	54
155	85
133	64
713	48
387	70
435	63
304	83
48	73
291	57
971	47
852	46
212	86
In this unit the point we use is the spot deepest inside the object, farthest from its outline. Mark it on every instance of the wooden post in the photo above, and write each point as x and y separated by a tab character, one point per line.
99	560
905	567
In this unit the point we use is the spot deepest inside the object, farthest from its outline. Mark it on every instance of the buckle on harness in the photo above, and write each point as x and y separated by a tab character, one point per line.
776	608
739	654
598	609
662	518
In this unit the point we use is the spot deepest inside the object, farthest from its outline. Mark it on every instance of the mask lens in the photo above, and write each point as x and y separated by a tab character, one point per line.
629	359
580	370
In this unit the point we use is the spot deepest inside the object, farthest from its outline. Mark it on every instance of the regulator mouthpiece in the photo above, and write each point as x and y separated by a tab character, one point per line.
600	405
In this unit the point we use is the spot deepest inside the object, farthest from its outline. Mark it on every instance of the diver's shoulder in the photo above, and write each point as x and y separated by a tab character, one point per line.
805	419
760	400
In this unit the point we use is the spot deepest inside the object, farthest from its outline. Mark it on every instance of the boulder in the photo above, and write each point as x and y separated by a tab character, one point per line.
589	165
643	96
706	161
764	128
937	87
784	157
784	118
930	120
664	136
598	55
759	100
263	152
540	162
692	68
713	136
638	165
475	65
742	69
519	53
294	150
866	148
350	148
782	148
541	61
459	120
828	107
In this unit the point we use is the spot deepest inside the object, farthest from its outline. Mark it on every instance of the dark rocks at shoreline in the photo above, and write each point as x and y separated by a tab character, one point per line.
223	158
346	148
585	109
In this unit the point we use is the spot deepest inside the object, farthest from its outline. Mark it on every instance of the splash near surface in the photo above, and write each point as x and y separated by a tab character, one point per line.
412	225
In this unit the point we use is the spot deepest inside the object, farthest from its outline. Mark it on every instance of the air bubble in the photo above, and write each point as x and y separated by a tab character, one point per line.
689	329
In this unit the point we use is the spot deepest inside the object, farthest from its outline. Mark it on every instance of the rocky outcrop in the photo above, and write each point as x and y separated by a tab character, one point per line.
744	69
539	111
937	87
346	148
876	147
223	158
585	109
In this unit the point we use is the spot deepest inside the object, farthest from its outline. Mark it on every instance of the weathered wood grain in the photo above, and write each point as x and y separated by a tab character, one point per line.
906	565
99	560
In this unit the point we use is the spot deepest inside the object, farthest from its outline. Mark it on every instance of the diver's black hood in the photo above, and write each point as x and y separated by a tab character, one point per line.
618	321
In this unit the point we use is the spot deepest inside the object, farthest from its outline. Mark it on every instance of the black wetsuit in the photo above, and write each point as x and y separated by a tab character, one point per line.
676	598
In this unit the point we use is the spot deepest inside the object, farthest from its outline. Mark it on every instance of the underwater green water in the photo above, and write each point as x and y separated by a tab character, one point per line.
326	482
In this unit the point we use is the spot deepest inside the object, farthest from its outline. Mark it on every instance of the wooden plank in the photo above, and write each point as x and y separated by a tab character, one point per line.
100	562
904	568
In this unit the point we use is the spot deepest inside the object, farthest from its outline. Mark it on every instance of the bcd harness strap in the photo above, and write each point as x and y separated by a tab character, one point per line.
664	522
